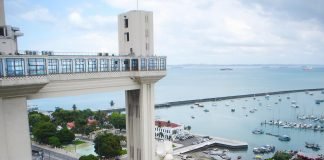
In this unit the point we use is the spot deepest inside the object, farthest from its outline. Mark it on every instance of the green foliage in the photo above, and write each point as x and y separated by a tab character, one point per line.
62	117
77	142
108	145
118	120
66	136
280	156
54	141
35	117
43	130
88	157
101	117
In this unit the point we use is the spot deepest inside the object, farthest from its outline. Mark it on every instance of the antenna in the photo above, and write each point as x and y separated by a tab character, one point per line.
137	4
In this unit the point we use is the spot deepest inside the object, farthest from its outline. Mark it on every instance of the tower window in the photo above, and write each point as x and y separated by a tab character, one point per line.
126	23
127	36
2	33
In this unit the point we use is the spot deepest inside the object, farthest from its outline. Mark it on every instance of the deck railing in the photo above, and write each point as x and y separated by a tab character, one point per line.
42	65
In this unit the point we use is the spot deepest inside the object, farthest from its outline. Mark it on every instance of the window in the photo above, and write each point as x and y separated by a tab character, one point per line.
152	64
125	65
2	31
162	64
126	23
115	65
66	65
134	64
1	68
146	19
126	36
92	65
146	33
36	66
15	67
143	64
80	65
104	65
53	66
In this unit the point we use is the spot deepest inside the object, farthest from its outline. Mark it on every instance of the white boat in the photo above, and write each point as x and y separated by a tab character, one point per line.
214	104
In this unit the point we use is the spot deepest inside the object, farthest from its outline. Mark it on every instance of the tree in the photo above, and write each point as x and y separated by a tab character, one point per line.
88	157
108	145
112	103
118	120
54	141
35	117
65	136
74	107
43	130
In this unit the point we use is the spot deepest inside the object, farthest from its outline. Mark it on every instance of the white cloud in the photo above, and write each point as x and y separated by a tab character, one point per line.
39	14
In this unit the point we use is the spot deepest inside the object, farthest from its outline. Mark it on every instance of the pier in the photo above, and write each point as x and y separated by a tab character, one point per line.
215	141
188	102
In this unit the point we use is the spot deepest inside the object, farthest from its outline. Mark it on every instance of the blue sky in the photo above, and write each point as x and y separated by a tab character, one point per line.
187	31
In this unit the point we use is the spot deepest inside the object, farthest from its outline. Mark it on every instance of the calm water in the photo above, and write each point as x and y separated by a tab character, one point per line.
193	82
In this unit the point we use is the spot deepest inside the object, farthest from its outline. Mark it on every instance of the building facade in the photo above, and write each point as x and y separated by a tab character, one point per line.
167	130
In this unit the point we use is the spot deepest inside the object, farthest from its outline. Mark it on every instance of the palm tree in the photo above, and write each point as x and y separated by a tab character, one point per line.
112	103
74	107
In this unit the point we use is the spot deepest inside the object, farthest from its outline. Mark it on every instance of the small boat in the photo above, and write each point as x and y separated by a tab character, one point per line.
267	96
192	107
232	110
279	99
214	104
252	111
258	131
312	146
206	110
288	97
284	138
226	104
200	105
243	107
311	94
193	117
293	102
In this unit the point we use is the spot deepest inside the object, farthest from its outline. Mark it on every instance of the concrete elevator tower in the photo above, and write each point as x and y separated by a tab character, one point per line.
28	75
135	35
8	34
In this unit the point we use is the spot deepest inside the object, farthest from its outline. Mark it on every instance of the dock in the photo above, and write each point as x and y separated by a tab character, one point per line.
188	102
214	142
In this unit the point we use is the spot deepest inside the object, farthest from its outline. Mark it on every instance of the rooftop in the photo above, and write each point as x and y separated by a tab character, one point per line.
166	124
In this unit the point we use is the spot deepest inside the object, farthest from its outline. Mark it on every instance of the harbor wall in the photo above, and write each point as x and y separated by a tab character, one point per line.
186	102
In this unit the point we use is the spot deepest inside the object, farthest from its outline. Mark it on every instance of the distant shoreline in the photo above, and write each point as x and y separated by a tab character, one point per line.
186	102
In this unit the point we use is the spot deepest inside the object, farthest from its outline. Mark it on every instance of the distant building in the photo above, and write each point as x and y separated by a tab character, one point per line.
91	122
70	125
168	130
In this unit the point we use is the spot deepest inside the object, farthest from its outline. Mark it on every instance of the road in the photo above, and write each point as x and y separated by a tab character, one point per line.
50	155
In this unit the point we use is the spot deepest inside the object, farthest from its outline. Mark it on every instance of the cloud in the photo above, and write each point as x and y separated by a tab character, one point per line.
39	14
204	31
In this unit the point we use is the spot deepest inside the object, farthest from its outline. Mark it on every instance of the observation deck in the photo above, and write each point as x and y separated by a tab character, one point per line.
35	71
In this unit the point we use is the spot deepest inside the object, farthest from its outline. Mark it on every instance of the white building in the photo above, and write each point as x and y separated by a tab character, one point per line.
167	130
135	29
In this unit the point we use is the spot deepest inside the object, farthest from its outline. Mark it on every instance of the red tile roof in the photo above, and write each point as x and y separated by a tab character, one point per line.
70	125
166	124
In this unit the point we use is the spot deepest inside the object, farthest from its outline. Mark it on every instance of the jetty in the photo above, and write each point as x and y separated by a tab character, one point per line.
193	101
213	142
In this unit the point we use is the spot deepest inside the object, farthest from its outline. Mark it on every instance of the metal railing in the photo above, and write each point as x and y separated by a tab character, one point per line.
49	64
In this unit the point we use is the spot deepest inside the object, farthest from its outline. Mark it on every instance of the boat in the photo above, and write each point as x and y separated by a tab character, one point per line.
192	107
200	105
232	110
226	104
284	138
252	111
267	96
264	149
226	69
193	117
293	102
312	146
214	104
258	131
307	68
288	97
206	110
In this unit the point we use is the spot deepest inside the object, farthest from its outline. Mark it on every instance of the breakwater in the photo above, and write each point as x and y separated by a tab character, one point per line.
187	102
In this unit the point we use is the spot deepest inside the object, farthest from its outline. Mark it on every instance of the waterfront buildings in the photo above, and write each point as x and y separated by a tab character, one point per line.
168	130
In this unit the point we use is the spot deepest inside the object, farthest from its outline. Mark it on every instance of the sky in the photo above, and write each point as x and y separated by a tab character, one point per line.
186	31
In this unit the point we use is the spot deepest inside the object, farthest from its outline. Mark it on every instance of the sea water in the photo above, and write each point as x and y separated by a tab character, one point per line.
193	82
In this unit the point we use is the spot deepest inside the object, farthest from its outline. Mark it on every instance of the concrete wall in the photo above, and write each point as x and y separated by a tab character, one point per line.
140	29
14	130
